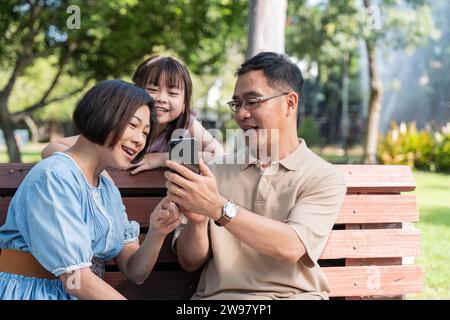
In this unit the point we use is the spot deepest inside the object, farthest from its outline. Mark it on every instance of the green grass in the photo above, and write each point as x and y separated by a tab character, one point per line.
433	194
30	153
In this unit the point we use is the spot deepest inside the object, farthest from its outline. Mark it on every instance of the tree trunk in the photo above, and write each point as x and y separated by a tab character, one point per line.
33	127
376	97
345	101
267	22
8	132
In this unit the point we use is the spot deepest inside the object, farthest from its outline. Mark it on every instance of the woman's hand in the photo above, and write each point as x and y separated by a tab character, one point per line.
165	218
149	162
194	217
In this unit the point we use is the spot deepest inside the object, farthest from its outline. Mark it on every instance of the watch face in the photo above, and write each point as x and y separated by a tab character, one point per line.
230	210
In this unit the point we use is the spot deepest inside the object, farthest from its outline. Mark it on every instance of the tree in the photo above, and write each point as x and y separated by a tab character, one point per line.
95	40
331	30
267	19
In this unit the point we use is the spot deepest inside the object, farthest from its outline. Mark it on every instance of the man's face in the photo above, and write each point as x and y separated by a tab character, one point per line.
268	115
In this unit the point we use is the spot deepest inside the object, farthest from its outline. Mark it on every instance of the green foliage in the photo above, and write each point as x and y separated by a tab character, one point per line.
114	36
310	132
327	36
424	149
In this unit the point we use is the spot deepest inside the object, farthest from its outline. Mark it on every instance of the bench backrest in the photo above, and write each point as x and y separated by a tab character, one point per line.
362	259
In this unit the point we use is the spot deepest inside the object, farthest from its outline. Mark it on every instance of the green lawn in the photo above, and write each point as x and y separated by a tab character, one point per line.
433	192
30	153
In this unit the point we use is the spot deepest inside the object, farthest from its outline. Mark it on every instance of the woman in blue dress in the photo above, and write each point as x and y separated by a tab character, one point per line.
65	214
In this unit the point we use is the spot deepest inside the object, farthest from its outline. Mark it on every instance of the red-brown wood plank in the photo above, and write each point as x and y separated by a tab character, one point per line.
359	178
357	209
140	208
378	178
160	285
374	280
378	243
364	281
4	203
364	208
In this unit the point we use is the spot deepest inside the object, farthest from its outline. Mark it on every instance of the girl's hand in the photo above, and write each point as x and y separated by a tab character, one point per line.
165	218
149	162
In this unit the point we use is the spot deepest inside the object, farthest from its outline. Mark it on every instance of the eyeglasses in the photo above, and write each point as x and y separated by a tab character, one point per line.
251	103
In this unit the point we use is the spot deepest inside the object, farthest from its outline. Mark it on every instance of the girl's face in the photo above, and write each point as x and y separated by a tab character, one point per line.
169	101
133	139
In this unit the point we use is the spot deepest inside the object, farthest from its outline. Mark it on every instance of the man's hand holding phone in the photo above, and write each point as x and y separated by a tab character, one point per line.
194	193
186	152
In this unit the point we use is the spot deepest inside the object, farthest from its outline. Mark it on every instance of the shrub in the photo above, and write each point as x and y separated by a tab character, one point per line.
310	132
424	149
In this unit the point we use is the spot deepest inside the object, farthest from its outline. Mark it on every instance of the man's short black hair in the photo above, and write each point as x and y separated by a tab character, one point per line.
279	70
104	112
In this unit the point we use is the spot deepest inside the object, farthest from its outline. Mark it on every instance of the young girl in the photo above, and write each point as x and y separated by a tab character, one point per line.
65	213
168	81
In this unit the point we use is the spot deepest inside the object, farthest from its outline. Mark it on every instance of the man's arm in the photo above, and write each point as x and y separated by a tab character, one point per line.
267	236
199	193
192	245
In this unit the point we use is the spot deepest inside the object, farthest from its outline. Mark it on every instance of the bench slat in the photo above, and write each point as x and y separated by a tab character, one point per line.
378	243
378	178
344	282
374	280
363	208
162	285
359	178
140	208
357	209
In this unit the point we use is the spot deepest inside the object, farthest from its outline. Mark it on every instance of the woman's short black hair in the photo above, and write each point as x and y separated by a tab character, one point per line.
104	112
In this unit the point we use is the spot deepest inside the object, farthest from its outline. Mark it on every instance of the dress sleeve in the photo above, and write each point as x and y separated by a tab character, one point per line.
131	228
54	226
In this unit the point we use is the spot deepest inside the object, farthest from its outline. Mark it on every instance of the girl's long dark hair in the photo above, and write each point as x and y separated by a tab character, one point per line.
175	74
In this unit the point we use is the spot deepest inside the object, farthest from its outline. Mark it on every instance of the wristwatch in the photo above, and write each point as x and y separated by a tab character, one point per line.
229	211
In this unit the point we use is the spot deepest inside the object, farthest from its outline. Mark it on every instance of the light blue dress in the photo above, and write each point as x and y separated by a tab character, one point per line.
64	222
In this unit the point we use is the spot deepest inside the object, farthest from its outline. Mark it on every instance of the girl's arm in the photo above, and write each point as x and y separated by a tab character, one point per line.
137	262
59	145
85	285
151	161
211	148
62	145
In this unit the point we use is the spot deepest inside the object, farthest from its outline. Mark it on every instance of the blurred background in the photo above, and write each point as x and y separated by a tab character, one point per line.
377	78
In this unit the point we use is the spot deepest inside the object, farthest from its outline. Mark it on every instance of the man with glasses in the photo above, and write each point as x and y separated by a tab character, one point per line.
259	227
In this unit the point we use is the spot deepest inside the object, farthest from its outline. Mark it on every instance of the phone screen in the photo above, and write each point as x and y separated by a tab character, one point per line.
185	151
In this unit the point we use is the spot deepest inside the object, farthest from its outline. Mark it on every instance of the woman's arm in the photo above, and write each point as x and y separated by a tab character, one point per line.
85	285
59	145
137	262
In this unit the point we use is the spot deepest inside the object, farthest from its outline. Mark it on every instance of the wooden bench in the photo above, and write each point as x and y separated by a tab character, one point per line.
362	259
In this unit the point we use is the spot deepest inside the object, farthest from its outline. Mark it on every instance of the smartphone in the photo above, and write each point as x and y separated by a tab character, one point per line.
185	151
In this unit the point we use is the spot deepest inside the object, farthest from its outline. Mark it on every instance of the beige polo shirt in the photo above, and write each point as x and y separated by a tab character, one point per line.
302	190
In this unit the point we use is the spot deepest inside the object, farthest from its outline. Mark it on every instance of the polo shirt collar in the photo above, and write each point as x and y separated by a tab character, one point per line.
291	162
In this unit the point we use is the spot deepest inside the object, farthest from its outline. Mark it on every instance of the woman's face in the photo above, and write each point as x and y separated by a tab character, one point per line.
169	101
133	139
